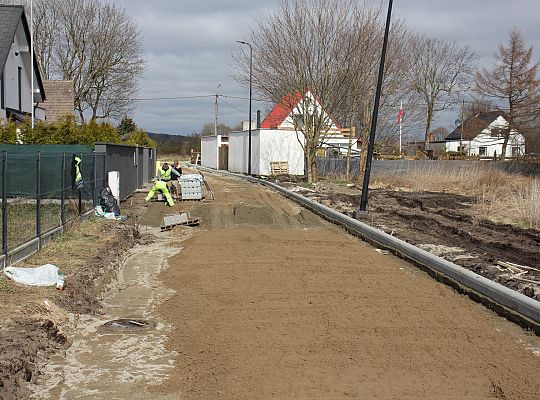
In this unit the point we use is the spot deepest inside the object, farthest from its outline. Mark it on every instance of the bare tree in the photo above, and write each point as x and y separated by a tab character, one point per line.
369	31
513	80
439	133
477	105
442	71
302	56
96	45
331	48
101	52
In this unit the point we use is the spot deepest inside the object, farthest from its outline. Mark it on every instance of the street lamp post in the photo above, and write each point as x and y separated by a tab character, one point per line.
32	60
250	81
365	186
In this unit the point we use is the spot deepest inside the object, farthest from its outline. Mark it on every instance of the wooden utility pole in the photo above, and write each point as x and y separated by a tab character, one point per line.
216	111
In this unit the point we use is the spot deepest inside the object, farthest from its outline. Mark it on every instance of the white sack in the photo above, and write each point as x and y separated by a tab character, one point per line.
46	275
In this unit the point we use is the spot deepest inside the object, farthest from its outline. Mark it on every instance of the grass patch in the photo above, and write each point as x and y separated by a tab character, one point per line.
68	252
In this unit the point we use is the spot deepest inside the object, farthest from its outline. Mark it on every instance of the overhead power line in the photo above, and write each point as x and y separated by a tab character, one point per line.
236	108
174	98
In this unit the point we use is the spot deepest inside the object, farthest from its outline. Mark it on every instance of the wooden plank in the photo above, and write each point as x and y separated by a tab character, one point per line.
279	167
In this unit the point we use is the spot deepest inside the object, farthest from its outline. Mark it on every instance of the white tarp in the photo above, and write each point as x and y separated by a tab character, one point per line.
45	275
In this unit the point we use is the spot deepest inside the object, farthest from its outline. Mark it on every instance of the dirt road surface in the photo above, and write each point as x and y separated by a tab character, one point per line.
272	302
445	225
265	300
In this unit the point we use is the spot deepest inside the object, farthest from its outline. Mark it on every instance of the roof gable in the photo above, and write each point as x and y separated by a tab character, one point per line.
282	112
9	20
474	125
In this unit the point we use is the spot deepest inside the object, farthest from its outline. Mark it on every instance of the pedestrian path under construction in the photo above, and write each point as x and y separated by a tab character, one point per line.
273	302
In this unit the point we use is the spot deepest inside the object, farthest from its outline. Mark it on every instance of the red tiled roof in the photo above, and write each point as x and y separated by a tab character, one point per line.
284	108
281	111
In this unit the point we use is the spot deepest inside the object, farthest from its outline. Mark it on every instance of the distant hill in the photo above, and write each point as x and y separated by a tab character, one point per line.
175	144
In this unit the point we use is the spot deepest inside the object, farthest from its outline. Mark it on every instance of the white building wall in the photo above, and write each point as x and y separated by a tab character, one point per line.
493	145
209	151
281	145
238	152
19	56
342	142
453	145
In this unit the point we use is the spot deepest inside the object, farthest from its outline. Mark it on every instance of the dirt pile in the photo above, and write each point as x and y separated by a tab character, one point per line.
82	293
22	343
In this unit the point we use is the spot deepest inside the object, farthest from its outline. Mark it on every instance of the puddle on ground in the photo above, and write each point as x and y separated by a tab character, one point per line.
110	362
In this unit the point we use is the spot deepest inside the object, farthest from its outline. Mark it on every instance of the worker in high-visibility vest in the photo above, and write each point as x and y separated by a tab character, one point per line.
170	175
79	183
165	173
160	186
164	178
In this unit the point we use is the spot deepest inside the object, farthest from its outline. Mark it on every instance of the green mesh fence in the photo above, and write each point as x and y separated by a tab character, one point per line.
38	193
37	185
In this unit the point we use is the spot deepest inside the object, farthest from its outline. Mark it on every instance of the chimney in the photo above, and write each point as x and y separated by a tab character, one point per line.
258	119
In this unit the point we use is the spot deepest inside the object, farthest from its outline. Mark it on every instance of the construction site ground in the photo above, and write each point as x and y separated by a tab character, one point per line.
444	224
266	300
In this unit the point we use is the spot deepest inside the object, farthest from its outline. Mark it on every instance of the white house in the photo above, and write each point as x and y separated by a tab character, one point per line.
16	100
480	135
290	109
274	140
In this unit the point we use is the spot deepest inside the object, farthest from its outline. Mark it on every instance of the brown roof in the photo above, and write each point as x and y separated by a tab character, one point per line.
60	99
474	125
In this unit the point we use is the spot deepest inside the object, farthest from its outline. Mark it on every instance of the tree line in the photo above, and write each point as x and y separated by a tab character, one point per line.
332	48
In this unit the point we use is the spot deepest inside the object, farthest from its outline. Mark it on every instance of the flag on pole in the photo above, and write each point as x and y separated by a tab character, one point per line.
400	115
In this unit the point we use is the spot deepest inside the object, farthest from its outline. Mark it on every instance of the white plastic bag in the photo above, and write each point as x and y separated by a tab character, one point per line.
45	275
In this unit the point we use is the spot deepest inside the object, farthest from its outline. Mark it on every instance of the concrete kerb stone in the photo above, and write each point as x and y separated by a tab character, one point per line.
508	303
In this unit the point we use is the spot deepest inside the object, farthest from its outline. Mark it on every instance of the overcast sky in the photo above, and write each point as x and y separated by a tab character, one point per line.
188	46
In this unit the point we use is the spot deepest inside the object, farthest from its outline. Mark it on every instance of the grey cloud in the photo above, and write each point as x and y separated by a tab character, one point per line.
188	46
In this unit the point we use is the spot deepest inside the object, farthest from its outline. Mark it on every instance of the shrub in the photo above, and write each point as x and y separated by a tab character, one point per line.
8	132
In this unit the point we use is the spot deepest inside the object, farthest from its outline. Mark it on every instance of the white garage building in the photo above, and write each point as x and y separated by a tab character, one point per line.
275	140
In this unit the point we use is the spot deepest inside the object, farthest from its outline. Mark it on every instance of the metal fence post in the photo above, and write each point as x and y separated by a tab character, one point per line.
63	191
38	197
80	190
4	203
94	202
105	174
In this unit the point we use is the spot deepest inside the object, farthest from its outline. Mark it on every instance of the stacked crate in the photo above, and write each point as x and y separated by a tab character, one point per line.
191	186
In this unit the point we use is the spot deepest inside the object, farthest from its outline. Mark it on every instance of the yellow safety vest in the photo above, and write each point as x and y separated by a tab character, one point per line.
165	175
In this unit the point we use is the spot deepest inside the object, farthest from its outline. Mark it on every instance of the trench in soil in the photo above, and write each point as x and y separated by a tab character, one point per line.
106	362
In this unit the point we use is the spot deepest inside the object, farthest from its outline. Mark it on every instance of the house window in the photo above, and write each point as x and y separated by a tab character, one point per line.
19	86
515	151
482	151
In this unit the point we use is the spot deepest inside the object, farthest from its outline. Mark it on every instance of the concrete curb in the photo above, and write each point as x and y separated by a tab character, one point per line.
507	302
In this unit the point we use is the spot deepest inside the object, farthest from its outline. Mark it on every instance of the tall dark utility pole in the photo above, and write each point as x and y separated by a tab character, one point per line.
250	81
371	145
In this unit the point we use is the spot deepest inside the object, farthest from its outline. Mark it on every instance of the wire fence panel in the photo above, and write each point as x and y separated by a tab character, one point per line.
50	191
336	167
38	193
